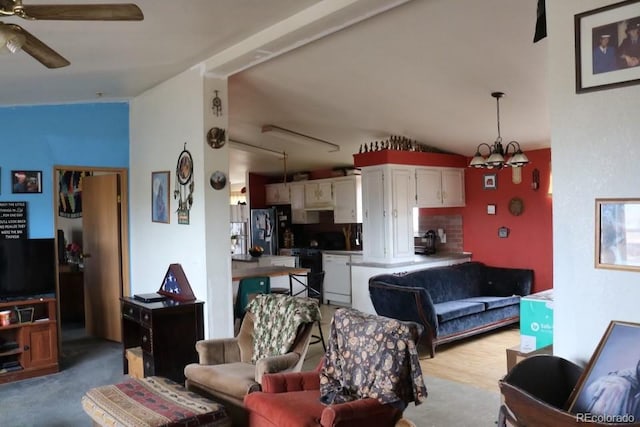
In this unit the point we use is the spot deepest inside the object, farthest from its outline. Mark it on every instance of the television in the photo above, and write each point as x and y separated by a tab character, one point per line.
27	268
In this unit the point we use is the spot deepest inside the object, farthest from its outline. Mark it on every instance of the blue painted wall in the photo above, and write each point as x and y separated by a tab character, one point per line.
39	137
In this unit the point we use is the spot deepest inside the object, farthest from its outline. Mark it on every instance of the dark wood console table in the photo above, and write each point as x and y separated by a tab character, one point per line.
166	331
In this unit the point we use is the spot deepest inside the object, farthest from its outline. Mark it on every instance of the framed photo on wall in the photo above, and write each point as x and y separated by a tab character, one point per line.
617	241
26	181
490	181
607	49
160	196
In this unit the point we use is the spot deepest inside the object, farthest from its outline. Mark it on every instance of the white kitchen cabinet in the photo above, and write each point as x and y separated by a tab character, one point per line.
347	194
438	187
388	197
239	213
402	191
277	194
298	214
373	213
337	279
318	194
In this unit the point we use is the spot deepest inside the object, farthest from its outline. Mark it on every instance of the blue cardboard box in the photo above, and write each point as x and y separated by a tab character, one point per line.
536	321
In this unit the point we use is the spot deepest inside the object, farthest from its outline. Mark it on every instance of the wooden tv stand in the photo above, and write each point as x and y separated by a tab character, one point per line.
36	338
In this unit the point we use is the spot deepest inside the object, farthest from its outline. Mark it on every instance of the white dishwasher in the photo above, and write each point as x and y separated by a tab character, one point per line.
337	279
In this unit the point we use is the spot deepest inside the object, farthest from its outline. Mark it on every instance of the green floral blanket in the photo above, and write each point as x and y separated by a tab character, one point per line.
277	318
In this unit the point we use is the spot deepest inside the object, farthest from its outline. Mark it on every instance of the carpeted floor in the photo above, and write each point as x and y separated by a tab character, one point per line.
54	400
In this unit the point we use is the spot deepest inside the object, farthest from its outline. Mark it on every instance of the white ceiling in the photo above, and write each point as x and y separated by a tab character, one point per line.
423	69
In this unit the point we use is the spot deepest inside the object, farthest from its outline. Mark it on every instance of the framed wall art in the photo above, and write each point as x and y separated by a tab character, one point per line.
26	181
608	384
160	196
607	46
490	181
617	234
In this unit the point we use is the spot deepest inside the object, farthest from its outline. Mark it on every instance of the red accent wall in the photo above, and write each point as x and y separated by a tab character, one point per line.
529	244
257	196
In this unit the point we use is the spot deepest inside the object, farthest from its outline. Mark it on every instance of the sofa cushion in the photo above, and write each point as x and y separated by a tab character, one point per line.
234	379
453	309
494	302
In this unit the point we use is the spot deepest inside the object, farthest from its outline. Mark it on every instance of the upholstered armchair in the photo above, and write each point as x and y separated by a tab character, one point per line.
364	381
227	369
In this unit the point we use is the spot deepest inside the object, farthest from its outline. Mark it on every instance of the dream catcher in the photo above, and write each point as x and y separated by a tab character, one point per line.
184	185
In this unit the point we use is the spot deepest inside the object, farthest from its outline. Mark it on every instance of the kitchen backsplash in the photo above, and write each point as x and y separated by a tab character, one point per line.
450	224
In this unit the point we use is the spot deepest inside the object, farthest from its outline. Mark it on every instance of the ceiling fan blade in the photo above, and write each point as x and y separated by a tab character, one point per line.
84	12
40	51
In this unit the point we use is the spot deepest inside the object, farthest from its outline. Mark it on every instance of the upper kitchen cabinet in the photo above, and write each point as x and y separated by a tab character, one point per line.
277	194
348	199
298	214
239	213
439	187
318	194
387	224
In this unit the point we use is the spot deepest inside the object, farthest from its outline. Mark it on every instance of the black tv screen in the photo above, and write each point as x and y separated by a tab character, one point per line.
27	268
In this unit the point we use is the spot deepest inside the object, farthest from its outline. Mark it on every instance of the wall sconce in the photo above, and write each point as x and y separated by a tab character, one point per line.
535	180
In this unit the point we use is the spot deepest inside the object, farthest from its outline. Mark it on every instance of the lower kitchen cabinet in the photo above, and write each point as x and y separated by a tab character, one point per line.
337	279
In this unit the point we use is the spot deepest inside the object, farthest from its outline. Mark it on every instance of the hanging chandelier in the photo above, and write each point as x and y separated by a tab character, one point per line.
498	156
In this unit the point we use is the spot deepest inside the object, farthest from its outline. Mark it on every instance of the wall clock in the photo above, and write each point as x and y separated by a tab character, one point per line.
516	206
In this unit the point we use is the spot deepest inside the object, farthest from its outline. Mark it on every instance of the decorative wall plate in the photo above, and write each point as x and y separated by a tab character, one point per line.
516	206
218	180
216	137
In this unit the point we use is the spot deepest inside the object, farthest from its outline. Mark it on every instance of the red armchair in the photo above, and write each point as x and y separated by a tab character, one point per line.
293	400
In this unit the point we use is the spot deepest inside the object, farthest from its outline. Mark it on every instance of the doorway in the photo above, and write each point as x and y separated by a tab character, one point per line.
89	268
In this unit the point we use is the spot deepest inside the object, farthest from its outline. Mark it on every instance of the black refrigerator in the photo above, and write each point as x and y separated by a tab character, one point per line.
268	226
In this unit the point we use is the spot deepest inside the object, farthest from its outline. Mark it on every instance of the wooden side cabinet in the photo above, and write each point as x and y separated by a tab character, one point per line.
29	344
167	332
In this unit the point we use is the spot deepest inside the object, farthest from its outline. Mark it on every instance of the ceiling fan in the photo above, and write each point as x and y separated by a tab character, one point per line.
13	37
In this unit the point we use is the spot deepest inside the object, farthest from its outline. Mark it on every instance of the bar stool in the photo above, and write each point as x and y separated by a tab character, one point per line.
248	288
312	284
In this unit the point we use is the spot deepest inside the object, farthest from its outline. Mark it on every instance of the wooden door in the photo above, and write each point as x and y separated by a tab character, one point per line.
103	256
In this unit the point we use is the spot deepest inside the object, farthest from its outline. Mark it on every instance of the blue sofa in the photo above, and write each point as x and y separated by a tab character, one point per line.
452	302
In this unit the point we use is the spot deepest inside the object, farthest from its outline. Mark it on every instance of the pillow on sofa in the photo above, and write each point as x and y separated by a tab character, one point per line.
504	282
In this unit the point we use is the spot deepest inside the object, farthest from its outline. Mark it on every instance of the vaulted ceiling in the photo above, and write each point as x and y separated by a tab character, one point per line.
345	71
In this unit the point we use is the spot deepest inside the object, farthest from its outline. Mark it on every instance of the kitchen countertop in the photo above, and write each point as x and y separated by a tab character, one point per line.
274	271
249	258
416	260
339	252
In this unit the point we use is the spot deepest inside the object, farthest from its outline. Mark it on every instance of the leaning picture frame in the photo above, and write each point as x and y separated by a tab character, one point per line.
607	385
617	235
605	56
160	197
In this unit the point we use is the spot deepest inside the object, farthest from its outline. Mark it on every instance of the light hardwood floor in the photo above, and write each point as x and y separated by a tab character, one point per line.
479	361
